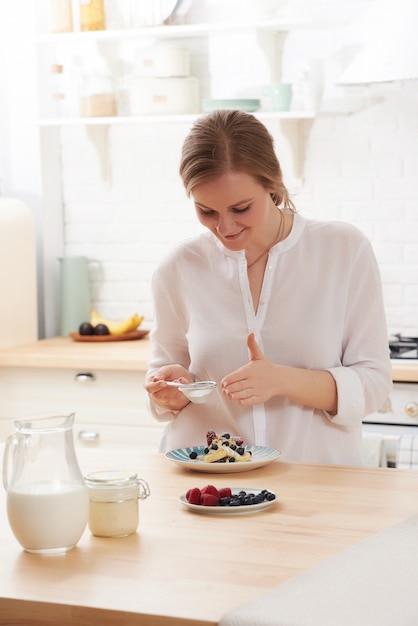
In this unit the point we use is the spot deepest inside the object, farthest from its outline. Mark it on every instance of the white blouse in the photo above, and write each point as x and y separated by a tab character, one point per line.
320	308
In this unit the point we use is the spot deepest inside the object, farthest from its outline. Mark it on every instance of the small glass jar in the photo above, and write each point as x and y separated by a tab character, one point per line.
114	495
97	95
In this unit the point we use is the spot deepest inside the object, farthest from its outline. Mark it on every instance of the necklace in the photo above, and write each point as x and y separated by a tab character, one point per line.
277	238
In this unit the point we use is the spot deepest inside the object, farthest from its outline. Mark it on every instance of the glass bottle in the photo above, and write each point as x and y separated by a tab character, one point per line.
58	101
92	15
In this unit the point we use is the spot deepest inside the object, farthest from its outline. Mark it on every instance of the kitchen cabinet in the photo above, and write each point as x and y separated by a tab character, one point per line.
268	35
102	384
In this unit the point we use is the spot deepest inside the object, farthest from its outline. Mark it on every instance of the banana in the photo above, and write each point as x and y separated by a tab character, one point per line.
116	327
215	455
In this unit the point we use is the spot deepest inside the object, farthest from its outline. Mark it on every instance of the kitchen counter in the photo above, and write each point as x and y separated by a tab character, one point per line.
190	569
405	372
63	352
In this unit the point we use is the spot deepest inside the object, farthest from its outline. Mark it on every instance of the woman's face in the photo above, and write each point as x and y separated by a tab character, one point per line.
236	209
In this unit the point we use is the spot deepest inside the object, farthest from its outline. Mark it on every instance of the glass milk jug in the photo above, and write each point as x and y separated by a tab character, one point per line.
47	499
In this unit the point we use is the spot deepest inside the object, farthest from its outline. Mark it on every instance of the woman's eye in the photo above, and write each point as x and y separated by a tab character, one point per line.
206	212
241	210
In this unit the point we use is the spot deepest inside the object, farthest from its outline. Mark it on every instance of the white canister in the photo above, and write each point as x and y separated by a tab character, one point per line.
162	61
164	96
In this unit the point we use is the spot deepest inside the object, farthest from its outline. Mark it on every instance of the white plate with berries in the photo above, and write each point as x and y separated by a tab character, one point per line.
227	500
223	454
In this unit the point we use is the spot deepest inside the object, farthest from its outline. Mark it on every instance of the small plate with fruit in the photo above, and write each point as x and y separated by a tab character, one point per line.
227	500
222	454
101	328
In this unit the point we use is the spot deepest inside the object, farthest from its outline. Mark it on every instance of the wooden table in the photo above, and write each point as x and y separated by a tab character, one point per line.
189	569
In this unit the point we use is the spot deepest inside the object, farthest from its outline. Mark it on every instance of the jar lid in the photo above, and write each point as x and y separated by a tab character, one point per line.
116	478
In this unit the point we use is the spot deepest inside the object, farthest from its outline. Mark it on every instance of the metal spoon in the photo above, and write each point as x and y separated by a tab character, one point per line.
195	392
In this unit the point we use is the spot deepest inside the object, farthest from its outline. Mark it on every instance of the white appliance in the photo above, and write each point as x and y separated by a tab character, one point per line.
399	415
18	310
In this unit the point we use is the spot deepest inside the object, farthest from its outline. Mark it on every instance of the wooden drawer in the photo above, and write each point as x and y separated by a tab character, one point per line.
110	404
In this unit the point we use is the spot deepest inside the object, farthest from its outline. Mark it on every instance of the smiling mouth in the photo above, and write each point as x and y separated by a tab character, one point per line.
234	236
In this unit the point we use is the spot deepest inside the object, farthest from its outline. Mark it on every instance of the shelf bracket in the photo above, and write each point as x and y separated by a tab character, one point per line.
290	148
99	136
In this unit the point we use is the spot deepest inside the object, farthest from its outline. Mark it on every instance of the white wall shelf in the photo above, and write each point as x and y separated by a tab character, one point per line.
165	119
172	32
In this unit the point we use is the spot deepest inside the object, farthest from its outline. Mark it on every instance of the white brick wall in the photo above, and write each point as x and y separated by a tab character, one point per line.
124	203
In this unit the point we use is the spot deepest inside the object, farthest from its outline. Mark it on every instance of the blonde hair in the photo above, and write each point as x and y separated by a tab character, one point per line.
232	141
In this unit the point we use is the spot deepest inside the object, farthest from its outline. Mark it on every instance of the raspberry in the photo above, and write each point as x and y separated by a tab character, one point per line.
225	492
208	499
238	440
194	496
210	489
210	436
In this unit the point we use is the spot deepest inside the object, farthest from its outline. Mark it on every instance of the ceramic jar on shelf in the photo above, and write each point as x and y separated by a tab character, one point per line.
60	16
161	82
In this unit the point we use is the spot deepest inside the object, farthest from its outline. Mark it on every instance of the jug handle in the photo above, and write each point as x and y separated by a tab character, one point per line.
9	447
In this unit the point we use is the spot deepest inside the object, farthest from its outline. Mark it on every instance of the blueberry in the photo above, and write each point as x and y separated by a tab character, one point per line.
231	459
224	501
193	455
226	435
240	451
214	446
270	496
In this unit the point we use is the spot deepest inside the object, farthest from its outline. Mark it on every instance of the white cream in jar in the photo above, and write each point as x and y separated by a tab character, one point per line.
113	502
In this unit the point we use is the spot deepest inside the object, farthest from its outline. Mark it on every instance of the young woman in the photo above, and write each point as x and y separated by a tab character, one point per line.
285	314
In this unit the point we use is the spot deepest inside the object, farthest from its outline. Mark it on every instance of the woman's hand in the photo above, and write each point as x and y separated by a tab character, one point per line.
260	379
253	383
163	395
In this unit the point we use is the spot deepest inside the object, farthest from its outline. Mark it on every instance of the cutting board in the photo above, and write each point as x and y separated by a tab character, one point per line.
18	282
